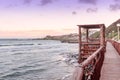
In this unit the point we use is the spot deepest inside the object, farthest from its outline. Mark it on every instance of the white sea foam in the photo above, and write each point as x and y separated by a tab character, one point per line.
70	58
67	77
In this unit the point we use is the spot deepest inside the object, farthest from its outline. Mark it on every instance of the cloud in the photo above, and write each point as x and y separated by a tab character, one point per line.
88	1
9	6
45	2
114	7
74	13
117	0
91	10
27	1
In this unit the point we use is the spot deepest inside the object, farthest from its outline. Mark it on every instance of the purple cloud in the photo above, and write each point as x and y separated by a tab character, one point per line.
117	0
91	10
114	7
74	13
27	1
88	1
45	2
9	6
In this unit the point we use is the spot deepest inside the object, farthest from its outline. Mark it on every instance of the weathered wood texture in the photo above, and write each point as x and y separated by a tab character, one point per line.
85	50
111	65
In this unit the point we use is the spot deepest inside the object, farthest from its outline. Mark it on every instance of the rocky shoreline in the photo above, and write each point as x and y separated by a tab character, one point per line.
70	38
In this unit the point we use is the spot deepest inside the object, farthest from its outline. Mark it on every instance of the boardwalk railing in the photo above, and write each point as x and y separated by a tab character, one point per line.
91	67
116	45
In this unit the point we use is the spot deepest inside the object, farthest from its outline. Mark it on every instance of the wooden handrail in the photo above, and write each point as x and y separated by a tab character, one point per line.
79	71
116	45
91	58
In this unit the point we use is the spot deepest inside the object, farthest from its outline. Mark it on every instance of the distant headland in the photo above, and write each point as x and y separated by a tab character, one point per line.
70	38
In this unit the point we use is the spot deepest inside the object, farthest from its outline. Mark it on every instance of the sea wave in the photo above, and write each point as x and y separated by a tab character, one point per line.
22	44
70	58
26	72
3	45
36	60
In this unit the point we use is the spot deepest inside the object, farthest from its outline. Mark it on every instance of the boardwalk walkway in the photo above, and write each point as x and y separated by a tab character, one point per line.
111	64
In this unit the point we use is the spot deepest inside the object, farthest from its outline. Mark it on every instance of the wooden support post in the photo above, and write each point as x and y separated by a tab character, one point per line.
118	33
87	35
102	35
79	60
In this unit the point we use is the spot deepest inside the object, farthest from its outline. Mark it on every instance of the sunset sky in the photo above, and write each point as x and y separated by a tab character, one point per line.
37	18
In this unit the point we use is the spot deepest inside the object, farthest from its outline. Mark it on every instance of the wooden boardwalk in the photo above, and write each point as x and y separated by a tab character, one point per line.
111	65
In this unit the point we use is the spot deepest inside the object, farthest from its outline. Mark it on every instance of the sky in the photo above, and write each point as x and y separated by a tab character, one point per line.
38	18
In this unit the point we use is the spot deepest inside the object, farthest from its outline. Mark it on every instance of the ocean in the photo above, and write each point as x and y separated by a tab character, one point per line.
27	59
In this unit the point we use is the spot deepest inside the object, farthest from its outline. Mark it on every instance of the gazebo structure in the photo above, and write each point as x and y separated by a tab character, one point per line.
88	45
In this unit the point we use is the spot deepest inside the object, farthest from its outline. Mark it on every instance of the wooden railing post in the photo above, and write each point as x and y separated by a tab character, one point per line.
102	35
80	40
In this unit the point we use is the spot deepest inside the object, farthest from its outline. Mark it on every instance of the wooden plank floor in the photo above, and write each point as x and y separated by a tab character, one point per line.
111	65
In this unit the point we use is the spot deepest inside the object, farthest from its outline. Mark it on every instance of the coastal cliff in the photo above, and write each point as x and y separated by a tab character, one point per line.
70	38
